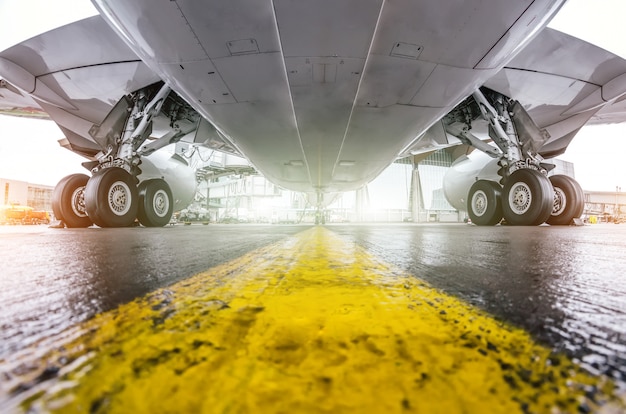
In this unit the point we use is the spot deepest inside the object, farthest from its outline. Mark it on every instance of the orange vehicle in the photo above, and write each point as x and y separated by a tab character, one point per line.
17	214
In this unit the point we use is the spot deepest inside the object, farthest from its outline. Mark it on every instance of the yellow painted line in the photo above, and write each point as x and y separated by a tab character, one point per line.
313	324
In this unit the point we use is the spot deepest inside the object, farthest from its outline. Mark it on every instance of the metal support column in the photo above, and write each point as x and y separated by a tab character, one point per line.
416	195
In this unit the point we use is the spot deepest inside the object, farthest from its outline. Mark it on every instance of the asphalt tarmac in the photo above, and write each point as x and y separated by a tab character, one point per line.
566	286
51	279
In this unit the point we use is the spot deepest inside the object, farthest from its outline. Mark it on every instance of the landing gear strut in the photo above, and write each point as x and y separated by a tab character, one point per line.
110	198
528	197
320	217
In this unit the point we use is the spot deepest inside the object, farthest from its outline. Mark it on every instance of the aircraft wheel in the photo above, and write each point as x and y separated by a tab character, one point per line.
155	203
484	204
527	198
111	198
68	201
569	201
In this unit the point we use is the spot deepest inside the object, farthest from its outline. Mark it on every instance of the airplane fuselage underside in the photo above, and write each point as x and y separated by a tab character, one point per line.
323	95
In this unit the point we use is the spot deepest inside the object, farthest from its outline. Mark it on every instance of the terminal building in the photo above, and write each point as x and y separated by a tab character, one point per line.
22	193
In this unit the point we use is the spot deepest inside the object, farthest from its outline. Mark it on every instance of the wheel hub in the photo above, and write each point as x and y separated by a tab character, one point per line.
479	203
119	198
520	198
78	202
560	201
160	203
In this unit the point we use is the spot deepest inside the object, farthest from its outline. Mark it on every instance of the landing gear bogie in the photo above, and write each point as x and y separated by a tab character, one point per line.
320	217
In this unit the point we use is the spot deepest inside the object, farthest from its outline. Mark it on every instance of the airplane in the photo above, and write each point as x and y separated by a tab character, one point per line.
319	96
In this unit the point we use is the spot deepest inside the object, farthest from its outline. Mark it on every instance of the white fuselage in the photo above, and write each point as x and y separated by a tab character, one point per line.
321	96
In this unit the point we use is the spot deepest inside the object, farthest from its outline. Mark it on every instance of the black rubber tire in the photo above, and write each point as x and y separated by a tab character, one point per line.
527	198
68	202
484	203
156	204
111	198
569	200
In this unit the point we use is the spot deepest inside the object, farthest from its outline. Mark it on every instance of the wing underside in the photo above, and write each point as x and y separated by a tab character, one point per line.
564	83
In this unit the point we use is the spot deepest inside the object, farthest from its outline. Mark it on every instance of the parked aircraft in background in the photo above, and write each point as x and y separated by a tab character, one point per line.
319	96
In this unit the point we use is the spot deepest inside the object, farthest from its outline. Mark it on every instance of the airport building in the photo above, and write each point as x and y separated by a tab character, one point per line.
25	203
230	190
605	206
21	193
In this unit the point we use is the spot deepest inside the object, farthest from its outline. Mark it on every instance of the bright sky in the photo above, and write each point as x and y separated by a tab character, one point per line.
29	150
48	15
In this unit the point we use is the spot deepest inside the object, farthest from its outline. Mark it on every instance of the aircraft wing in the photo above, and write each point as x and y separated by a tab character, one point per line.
14	102
75	75
564	83
611	113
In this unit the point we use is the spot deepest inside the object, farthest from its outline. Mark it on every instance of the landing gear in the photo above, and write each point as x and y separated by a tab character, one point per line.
484	204
68	201
111	198
527	198
569	200
155	203
320	217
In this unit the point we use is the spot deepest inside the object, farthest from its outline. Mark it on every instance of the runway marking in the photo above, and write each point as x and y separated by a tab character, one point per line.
310	324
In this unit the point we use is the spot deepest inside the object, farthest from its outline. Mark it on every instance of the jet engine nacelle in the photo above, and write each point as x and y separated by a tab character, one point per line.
175	171
464	172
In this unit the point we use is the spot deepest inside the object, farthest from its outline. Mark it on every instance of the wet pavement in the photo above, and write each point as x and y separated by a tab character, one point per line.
565	285
51	279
